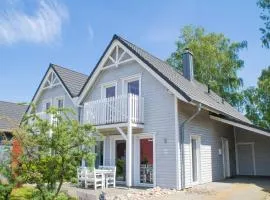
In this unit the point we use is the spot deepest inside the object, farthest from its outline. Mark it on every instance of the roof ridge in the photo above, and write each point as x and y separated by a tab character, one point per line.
66	68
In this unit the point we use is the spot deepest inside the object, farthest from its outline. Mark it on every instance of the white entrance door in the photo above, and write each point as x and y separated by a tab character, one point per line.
246	159
226	158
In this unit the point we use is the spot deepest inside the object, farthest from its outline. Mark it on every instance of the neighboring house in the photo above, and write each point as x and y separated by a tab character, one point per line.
60	88
161	127
11	115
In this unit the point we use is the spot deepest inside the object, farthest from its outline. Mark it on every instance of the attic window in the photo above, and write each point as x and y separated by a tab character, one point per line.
51	81
117	57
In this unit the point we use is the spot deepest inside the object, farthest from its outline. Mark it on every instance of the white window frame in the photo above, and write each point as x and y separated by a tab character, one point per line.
44	102
227	168
128	79
198	141
136	154
107	85
59	98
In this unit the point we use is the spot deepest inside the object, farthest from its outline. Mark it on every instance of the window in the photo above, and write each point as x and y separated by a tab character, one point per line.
60	103
134	87
110	92
47	104
109	89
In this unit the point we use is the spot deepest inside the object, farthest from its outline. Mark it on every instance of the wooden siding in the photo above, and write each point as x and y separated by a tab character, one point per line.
210	132
158	116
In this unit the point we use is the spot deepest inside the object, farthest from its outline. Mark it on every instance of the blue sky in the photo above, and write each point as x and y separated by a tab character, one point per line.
34	33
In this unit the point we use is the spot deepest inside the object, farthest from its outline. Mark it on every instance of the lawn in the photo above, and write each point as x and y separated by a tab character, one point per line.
22	193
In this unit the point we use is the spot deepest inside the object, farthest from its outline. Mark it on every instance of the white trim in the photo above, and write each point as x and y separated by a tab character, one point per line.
241	126
136	169
236	151
41	88
177	146
104	151
253	155
226	160
113	139
59	98
44	102
107	85
122	133
198	145
118	125
104	59
126	80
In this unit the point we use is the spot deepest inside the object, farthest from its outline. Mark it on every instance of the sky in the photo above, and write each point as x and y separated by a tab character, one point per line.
74	34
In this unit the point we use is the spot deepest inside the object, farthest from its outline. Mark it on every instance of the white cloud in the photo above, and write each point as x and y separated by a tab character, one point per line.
44	26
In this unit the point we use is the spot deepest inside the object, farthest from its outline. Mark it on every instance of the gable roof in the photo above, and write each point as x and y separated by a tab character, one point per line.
11	115
72	80
191	91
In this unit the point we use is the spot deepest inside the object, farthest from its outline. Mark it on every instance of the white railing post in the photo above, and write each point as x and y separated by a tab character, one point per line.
118	109
129	144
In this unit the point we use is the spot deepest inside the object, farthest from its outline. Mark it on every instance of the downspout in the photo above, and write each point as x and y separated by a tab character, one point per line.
182	139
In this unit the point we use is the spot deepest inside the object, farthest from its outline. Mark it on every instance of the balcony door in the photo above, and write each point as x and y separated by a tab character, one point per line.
132	85
108	92
120	160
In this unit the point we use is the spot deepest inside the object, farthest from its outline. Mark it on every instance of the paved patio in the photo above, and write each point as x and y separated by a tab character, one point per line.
248	188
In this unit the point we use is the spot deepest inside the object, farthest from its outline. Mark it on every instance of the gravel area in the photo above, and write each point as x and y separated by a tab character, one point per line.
232	189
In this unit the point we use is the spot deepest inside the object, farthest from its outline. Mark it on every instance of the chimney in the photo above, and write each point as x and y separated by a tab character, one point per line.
188	64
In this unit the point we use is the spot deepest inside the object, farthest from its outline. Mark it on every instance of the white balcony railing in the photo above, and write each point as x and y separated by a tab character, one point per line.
115	110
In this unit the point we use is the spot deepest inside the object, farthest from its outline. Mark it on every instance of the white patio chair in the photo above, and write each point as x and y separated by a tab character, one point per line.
94	179
110	175
81	176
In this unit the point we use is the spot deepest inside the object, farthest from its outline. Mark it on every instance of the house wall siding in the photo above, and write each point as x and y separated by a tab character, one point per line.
261	147
52	94
210	132
158	114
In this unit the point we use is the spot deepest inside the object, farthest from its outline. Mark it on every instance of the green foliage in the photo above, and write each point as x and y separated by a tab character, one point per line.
7	180
265	16
257	101
27	192
22	193
216	61
53	150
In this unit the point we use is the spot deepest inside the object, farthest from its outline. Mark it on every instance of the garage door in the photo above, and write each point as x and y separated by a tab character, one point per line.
245	159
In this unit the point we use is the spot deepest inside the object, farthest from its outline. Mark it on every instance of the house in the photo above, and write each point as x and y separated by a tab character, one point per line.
11	115
161	127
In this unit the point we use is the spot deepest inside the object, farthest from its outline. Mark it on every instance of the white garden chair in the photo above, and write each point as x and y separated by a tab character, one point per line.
94	179
110	175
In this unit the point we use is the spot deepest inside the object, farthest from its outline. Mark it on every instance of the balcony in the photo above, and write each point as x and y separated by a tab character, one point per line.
115	110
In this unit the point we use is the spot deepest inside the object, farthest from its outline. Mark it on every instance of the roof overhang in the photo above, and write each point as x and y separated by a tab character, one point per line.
246	126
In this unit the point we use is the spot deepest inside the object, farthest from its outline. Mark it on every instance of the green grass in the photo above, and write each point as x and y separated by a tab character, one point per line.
22	193
25	193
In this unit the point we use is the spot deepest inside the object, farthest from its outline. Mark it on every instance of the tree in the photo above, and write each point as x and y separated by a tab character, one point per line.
216	60
53	150
257	101
7	179
265	16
